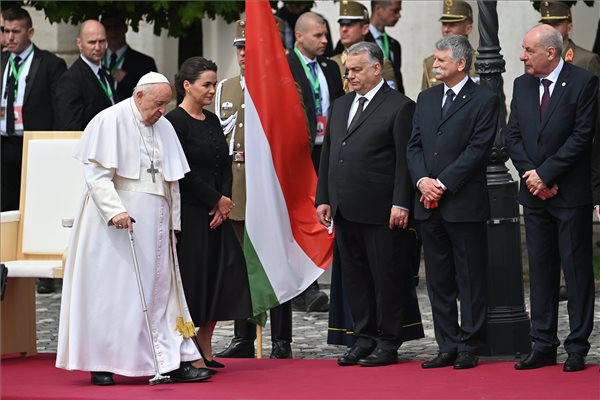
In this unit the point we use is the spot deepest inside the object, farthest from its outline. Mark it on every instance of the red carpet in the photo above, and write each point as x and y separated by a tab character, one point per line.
37	378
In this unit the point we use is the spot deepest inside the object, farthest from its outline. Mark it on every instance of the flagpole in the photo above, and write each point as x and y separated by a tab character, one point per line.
259	338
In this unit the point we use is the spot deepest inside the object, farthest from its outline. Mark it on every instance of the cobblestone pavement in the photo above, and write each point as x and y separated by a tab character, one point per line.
310	331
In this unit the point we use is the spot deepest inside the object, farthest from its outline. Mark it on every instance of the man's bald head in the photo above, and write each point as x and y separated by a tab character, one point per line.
306	20
542	49
92	41
311	35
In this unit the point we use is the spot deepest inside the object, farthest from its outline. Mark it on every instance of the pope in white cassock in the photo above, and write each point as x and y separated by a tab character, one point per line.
132	161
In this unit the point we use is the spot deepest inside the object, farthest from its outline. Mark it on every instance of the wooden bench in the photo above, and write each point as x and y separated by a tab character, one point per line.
33	238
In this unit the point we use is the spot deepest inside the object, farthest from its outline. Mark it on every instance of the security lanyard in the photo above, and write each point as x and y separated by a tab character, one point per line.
16	73
314	82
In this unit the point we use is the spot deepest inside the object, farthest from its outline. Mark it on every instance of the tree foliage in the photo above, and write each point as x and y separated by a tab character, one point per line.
173	16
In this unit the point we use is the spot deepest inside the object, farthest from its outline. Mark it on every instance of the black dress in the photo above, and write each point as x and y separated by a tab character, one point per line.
211	261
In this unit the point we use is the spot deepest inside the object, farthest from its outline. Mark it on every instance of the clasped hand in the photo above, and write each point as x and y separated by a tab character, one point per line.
221	211
537	187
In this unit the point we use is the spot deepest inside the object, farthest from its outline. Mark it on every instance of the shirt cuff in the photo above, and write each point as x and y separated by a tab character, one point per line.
441	184
400	207
419	181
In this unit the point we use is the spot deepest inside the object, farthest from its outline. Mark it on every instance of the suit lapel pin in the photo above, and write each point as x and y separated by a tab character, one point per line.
464	96
564	84
324	64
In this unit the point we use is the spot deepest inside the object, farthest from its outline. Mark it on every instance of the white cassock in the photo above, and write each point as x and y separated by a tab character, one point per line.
102	326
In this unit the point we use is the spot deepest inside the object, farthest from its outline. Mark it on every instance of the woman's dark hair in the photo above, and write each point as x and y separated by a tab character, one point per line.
189	71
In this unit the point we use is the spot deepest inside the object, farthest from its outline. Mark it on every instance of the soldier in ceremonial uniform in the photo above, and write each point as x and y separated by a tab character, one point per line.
354	26
558	15
229	107
456	19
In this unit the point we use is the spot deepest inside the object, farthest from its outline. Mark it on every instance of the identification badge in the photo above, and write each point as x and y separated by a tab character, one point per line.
321	128
238	156
2	112
18	118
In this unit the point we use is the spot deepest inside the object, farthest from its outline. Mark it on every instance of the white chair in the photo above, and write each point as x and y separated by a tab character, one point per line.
33	238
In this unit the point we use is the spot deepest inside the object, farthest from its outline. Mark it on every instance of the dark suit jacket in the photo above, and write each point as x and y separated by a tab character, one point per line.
455	150
558	147
40	102
136	65
596	163
363	171
395	55
80	97
334	85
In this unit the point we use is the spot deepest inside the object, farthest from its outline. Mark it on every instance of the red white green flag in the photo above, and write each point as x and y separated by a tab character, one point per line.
286	248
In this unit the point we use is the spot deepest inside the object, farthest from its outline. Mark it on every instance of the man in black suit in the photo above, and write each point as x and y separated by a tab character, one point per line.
29	78
320	83
32	74
387	13
549	137
453	130
125	64
596	172
85	88
364	186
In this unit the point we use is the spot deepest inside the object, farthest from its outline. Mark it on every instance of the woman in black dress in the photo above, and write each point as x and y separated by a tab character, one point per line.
211	261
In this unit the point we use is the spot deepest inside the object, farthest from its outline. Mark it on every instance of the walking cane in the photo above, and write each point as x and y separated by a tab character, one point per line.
158	378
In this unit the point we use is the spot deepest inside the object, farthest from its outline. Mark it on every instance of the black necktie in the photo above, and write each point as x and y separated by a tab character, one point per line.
10	98
113	61
359	111
448	103
545	97
102	77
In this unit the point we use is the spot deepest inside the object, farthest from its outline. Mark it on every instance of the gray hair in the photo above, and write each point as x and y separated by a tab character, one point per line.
372	50
551	38
144	89
459	47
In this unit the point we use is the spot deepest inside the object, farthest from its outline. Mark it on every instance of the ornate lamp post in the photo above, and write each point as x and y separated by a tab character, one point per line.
508	321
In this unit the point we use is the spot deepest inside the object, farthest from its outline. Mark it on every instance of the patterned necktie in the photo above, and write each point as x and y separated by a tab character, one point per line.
359	111
545	97
10	98
448	103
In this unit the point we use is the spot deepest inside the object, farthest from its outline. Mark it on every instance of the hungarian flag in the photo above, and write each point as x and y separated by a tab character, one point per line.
286	248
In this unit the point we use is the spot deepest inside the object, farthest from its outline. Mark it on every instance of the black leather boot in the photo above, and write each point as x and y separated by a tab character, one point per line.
238	348
281	349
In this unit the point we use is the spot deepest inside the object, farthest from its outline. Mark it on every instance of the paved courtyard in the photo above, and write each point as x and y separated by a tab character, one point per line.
310	331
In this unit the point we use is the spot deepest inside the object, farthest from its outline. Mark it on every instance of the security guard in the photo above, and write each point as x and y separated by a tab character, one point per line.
558	15
354	26
229	107
456	19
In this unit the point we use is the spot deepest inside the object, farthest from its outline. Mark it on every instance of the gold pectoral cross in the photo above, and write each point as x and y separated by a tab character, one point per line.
152	171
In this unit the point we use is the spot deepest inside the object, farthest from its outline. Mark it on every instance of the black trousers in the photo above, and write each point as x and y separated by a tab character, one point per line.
558	236
455	266
10	172
376	276
281	316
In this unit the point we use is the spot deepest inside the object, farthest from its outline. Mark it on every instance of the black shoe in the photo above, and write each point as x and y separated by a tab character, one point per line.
210	363
188	373
238	348
298	303
45	285
379	358
575	362
316	300
352	356
562	293
102	378
536	359
281	349
465	360
441	360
